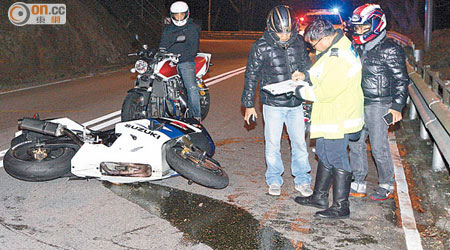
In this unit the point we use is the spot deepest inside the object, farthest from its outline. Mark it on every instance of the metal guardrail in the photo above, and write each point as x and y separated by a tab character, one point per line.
231	35
430	98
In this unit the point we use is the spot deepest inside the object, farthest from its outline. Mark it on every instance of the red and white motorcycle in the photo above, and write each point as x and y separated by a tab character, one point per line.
159	90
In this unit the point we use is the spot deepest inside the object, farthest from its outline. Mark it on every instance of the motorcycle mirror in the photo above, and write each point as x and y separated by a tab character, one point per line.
133	70
181	38
145	46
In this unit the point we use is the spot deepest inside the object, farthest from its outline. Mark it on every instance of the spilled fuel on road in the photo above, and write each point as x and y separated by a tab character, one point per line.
203	219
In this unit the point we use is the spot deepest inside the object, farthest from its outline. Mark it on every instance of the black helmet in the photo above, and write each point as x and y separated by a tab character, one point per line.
281	20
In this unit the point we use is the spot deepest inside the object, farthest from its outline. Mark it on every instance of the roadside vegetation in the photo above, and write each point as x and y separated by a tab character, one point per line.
97	37
439	56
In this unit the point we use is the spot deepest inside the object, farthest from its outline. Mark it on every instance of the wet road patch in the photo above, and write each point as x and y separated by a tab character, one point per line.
203	219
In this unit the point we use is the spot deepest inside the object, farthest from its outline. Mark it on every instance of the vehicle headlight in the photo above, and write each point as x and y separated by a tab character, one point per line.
141	66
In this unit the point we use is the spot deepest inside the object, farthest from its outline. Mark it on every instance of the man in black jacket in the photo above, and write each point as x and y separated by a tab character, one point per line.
183	25
279	55
384	83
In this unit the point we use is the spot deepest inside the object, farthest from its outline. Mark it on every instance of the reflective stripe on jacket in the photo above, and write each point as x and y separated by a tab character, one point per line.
338	106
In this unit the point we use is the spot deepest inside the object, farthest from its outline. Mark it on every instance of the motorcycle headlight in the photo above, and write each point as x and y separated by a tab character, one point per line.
141	66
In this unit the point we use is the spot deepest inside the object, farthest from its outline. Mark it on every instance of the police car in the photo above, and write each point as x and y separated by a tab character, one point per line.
331	15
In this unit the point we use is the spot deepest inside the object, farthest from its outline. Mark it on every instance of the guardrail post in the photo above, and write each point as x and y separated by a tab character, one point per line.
438	161
418	55
423	131
426	75
435	84
446	95
412	111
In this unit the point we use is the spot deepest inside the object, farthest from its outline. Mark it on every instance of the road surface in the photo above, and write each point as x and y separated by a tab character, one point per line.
80	214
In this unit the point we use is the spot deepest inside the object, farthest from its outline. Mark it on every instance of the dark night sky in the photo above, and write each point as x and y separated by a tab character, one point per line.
227	19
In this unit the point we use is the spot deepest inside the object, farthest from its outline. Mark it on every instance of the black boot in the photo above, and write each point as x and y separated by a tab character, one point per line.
319	198
341	189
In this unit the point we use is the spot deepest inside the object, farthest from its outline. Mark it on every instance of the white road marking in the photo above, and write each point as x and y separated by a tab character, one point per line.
106	124
226	73
102	118
62	81
225	77
412	236
2	153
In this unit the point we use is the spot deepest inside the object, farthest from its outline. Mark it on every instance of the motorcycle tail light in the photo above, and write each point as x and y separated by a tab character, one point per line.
141	66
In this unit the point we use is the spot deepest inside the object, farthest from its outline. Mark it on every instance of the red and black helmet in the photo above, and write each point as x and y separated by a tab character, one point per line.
370	15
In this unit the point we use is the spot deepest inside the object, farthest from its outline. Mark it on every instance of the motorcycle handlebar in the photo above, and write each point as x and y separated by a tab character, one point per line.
163	52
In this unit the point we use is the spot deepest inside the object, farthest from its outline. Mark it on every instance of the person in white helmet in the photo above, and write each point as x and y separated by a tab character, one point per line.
183	25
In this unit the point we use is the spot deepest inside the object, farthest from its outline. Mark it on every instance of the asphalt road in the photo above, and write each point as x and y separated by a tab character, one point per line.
82	214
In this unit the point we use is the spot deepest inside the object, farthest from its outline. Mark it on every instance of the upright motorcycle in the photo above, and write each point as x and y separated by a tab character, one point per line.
159	90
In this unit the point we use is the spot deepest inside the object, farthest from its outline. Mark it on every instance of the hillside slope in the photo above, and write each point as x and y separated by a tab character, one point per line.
439	56
93	39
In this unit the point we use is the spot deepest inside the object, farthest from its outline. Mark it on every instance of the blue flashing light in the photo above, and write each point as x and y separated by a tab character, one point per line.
336	10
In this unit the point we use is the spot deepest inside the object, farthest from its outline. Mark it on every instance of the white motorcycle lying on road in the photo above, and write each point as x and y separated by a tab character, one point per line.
134	151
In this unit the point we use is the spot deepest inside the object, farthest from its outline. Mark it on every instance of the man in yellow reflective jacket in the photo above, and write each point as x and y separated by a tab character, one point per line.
337	115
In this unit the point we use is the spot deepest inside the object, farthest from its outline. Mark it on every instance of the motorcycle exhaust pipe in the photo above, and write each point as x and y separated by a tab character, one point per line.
43	127
48	128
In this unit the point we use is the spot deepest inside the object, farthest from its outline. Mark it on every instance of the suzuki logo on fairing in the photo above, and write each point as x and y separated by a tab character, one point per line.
149	132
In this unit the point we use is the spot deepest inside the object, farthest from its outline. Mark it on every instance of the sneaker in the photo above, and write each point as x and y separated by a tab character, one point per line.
358	190
275	189
304	189
382	194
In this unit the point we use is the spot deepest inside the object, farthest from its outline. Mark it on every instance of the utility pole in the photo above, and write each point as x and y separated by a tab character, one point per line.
428	23
209	16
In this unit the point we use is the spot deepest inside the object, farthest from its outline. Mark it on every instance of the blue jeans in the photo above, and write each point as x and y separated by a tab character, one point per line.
274	119
377	131
333	152
187	72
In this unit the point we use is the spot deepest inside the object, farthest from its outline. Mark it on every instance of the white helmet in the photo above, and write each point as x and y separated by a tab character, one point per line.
179	7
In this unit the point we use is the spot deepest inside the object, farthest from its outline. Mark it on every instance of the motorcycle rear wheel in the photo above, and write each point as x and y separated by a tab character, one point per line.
20	161
203	170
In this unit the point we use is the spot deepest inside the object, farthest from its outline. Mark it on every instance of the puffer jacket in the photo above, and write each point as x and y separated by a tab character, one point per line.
384	75
271	63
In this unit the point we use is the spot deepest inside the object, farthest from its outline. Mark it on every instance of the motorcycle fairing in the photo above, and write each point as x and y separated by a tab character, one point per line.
202	64
140	142
168	70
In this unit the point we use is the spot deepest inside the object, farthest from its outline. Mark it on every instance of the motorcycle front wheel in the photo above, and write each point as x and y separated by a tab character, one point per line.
35	161
133	107
195	165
